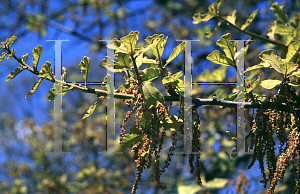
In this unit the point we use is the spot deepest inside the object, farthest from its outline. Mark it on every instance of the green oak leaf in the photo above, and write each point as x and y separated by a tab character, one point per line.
259	66
252	84
226	45
36	53
231	17
11	54
135	130
284	30
34	88
292	50
150	74
270	83
231	97
131	140
175	52
218	58
288	67
279	12
14	74
158	49
90	110
269	56
46	71
197	18
84	67
51	96
249	20
152	96
3	55
146	120
117	45
130	41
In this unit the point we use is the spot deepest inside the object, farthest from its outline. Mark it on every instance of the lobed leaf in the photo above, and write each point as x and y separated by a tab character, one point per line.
130	41
34	88
249	20
46	71
117	45
36	53
14	74
279	12
197	18
84	66
226	45
51	96
269	56
3	55
11	54
231	17
259	66
158	49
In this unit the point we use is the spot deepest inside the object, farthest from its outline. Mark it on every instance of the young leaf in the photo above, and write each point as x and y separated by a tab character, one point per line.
279	12
292	50
123	61
51	96
253	85
150	74
231	17
209	34
130	40
91	110
11	54
270	83
269	56
259	66
288	67
249	20
131	140
8	42
14	74
218	58
34	88
226	45
146	120
36	53
152	96
197	18
175	52
138	52
117	45
64	75
172	78
3	55
158	49
84	66
284	30
25	58
46	71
